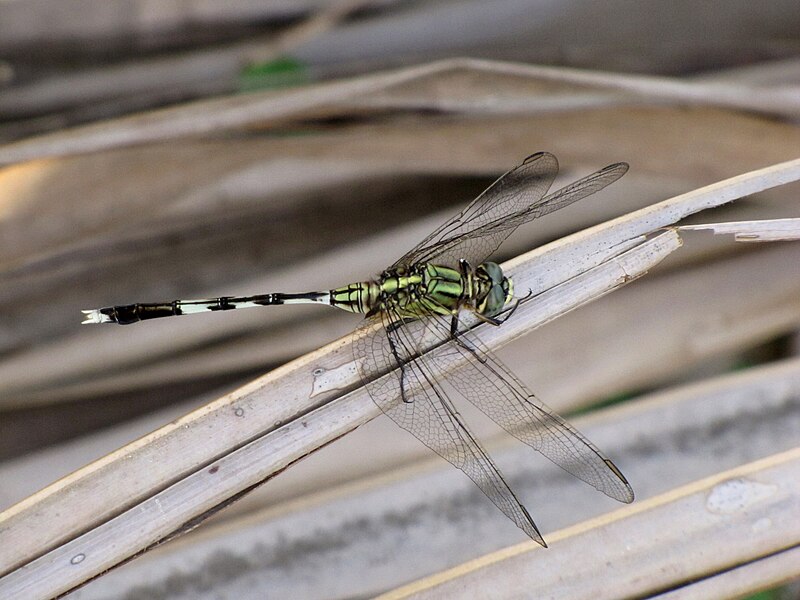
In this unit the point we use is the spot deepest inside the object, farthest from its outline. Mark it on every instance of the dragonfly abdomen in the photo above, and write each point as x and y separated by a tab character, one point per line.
358	297
125	314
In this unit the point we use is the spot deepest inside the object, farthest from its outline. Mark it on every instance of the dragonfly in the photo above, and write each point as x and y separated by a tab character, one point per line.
435	296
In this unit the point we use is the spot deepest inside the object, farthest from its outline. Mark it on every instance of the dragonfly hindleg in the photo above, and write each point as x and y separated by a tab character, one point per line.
391	329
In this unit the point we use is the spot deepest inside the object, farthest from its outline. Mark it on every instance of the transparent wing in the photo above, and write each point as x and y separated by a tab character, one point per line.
518	189
494	389
412	398
515	198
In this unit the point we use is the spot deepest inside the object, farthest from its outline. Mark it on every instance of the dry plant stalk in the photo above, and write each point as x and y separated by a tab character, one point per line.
624	552
249	450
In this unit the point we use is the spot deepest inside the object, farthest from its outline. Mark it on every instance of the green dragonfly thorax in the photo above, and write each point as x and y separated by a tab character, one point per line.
426	288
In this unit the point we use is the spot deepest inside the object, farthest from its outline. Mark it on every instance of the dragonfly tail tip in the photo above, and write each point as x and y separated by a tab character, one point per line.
95	316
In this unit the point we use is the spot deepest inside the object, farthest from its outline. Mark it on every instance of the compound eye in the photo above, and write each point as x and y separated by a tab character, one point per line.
495	301
493	271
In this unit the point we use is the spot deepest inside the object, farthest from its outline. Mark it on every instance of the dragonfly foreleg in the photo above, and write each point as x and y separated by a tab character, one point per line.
510	312
490	320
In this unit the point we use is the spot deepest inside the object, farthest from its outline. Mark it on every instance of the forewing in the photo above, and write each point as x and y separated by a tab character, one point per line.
578	190
477	245
515	191
494	389
412	398
516	198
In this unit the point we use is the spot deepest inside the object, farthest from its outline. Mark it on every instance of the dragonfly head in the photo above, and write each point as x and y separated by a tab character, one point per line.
495	290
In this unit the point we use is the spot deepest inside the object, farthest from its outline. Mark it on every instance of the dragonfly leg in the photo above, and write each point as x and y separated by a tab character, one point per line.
400	361
454	322
490	320
507	316
458	340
